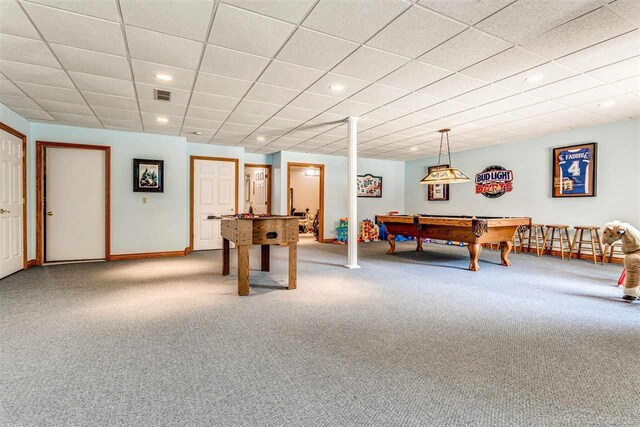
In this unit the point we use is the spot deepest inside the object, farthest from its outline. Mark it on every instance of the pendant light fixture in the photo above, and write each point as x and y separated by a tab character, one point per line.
444	174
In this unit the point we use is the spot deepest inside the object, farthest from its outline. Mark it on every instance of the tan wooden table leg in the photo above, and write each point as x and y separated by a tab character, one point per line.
391	238
474	253
505	250
225	257
293	265
265	258
243	269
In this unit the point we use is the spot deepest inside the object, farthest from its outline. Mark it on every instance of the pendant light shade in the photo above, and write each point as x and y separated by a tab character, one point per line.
444	174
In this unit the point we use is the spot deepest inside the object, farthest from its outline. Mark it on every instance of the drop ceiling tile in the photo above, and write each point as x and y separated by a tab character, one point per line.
247	119
195	139
623	107
162	129
315	102
8	88
464	50
203	113
384	114
249	32
537	109
415	32
505	64
105	9
525	19
75	30
327	50
351	85
370	64
469	11
453	85
288	10
547	73
35	114
26	50
51	93
297	114
161	48
271	94
145	72
231	63
211	125
589	96
573	118
278	123
229	136
386	129
18	102
629	85
470	115
445	109
414	119
76	119
188	19
28	73
496	120
235	127
628	9
116	113
605	53
618	71
349	107
355	20
178	96
414	76
484	95
413	102
213	102
162	107
257	108
582	32
565	87
111	101
100	84
512	102
379	94
14	22
90	62
64	107
152	119
220	85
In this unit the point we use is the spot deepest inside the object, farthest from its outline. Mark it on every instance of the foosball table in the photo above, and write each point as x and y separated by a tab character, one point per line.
264	231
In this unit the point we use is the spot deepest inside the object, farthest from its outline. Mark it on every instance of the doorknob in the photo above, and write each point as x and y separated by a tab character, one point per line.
2	211
49	213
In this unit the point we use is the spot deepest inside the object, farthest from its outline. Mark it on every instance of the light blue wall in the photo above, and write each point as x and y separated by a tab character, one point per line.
618	179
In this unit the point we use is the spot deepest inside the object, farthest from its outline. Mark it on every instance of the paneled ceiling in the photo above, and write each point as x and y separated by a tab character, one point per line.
283	74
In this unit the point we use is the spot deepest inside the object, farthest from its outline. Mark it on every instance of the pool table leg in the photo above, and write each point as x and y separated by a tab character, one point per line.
505	250
474	253
419	246
391	238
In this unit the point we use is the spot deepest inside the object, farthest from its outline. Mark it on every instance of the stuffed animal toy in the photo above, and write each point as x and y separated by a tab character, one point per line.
630	237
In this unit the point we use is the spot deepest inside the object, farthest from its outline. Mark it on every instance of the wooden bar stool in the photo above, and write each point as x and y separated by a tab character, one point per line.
561	239
535	236
593	242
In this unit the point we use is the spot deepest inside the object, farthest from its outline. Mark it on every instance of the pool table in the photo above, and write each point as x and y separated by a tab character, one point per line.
474	231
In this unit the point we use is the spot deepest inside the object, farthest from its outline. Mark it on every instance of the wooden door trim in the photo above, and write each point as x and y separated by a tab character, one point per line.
23	137
321	204
268	167
40	147
192	160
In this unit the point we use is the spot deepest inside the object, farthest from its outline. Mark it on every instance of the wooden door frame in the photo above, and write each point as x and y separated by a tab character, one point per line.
23	137
268	168
309	165
40	172
192	160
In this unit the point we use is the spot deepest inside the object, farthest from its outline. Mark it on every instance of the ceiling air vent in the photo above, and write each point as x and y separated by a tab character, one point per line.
162	95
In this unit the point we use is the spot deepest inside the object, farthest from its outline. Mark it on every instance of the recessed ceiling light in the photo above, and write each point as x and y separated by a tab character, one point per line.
534	78
164	77
337	87
260	138
197	133
414	148
606	104
162	120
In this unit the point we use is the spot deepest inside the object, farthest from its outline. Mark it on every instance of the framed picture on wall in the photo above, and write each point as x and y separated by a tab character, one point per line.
369	186
437	192
148	176
575	170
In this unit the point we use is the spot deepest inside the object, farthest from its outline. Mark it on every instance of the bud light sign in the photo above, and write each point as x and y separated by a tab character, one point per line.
494	181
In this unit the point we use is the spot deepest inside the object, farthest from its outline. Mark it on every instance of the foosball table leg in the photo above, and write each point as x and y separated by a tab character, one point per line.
243	269
265	258
225	257
293	265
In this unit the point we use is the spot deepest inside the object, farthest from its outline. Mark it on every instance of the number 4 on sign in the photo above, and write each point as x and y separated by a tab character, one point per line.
574	169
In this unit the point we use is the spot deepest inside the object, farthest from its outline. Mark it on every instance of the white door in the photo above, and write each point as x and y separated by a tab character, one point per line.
11	250
74	204
214	193
259	190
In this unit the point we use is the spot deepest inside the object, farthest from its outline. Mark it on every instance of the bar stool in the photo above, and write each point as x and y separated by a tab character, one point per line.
593	242
552	228
535	235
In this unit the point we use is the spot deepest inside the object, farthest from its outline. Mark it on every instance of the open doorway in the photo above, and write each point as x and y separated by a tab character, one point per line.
305	197
257	189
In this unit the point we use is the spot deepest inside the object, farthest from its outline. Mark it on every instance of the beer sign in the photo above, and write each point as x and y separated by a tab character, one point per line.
494	181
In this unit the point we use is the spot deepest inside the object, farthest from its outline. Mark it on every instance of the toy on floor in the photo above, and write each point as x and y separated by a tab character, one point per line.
368	231
343	230
630	238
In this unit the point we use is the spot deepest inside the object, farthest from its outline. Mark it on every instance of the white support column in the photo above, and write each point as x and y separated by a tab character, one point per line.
352	179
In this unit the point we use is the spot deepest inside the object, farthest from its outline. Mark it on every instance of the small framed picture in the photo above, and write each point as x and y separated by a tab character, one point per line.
148	176
437	192
369	186
574	170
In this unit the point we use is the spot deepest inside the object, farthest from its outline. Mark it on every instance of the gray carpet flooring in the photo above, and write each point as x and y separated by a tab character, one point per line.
411	339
